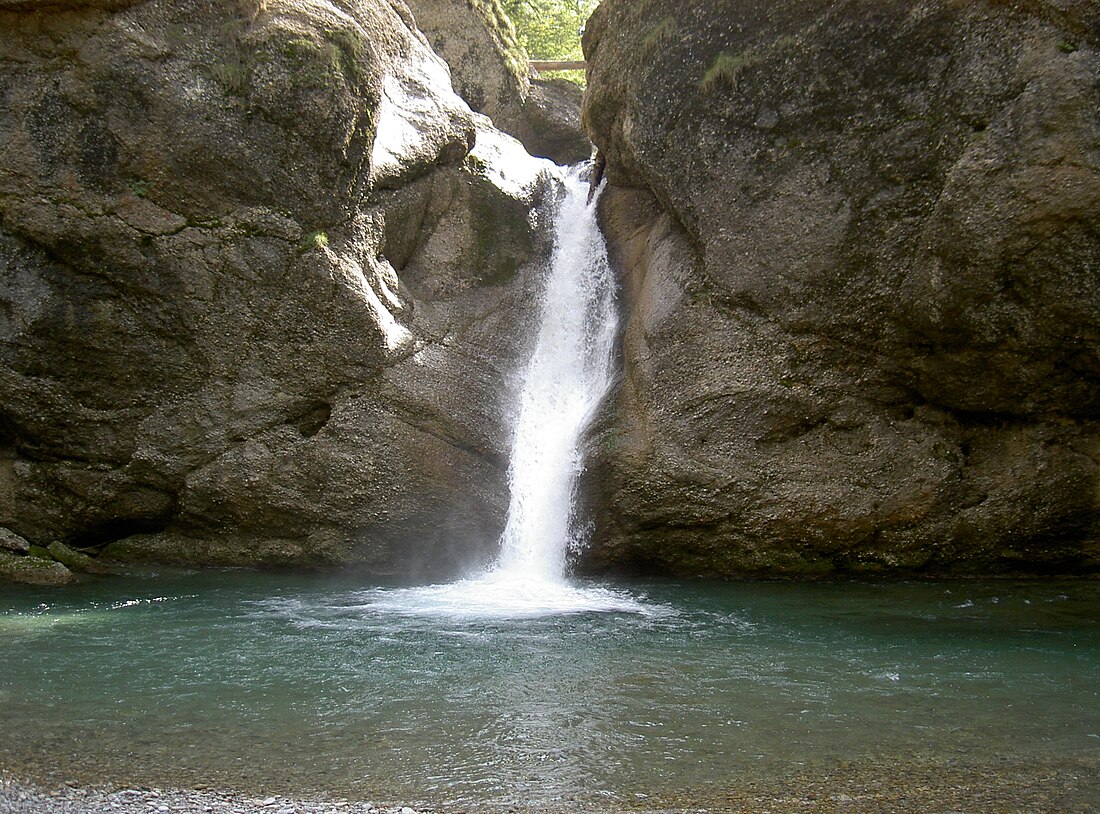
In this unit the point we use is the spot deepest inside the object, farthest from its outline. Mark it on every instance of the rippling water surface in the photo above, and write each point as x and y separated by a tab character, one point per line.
291	683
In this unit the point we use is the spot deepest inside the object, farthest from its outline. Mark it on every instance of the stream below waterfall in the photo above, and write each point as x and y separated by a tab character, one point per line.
298	684
520	687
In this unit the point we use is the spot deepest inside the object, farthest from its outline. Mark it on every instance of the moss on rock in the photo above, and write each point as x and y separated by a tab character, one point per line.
75	560
34	570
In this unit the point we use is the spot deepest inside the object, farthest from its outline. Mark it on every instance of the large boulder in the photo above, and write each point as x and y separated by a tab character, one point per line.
489	70
861	265
551	124
249	308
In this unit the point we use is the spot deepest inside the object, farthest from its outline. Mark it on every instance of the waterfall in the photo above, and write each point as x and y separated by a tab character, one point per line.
564	381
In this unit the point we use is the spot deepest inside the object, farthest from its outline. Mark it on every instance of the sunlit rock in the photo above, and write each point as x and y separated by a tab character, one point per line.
489	70
230	328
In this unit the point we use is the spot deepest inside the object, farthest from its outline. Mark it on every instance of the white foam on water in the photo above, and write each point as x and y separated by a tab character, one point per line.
502	595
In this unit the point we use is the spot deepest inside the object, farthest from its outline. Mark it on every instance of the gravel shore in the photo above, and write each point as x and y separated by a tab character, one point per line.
1069	789
23	798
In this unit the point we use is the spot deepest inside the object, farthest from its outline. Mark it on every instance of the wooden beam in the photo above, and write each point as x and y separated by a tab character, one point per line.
542	65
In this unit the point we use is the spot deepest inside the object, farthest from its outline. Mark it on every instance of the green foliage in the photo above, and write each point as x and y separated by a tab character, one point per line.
232	74
141	188
726	69
232	71
313	240
1067	47
576	77
550	29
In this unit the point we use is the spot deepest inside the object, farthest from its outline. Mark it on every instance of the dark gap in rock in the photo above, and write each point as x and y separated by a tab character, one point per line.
9	430
987	419
108	530
312	419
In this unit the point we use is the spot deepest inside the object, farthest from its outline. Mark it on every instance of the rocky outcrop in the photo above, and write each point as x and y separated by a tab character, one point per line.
862	280
76	561
20	561
250	310
489	70
551	125
11	541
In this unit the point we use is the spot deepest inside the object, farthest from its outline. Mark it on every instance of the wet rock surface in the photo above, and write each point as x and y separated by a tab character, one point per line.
250	313
862	287
34	570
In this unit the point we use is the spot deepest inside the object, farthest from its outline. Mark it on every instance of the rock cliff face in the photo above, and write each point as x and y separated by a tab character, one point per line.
861	263
259	301
489	71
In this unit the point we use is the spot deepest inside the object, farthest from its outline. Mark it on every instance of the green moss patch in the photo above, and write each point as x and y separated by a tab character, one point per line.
727	69
34	570
664	32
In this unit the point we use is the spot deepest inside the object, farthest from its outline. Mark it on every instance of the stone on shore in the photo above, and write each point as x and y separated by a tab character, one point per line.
34	570
76	560
13	542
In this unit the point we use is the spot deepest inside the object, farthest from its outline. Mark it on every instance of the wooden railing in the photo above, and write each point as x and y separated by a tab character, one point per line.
544	65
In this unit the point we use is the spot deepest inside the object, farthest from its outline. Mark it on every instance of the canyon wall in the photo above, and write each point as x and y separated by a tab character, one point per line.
489	70
860	252
266	281
263	286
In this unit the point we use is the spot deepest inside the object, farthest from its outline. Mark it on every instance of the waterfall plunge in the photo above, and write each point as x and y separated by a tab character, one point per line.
566	378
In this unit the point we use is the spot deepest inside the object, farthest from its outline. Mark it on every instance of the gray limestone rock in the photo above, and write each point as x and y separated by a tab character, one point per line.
75	560
11	541
33	570
862	284
489	70
249	310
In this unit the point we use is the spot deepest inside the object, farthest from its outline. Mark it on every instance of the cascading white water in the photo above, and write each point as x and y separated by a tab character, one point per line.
566	378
